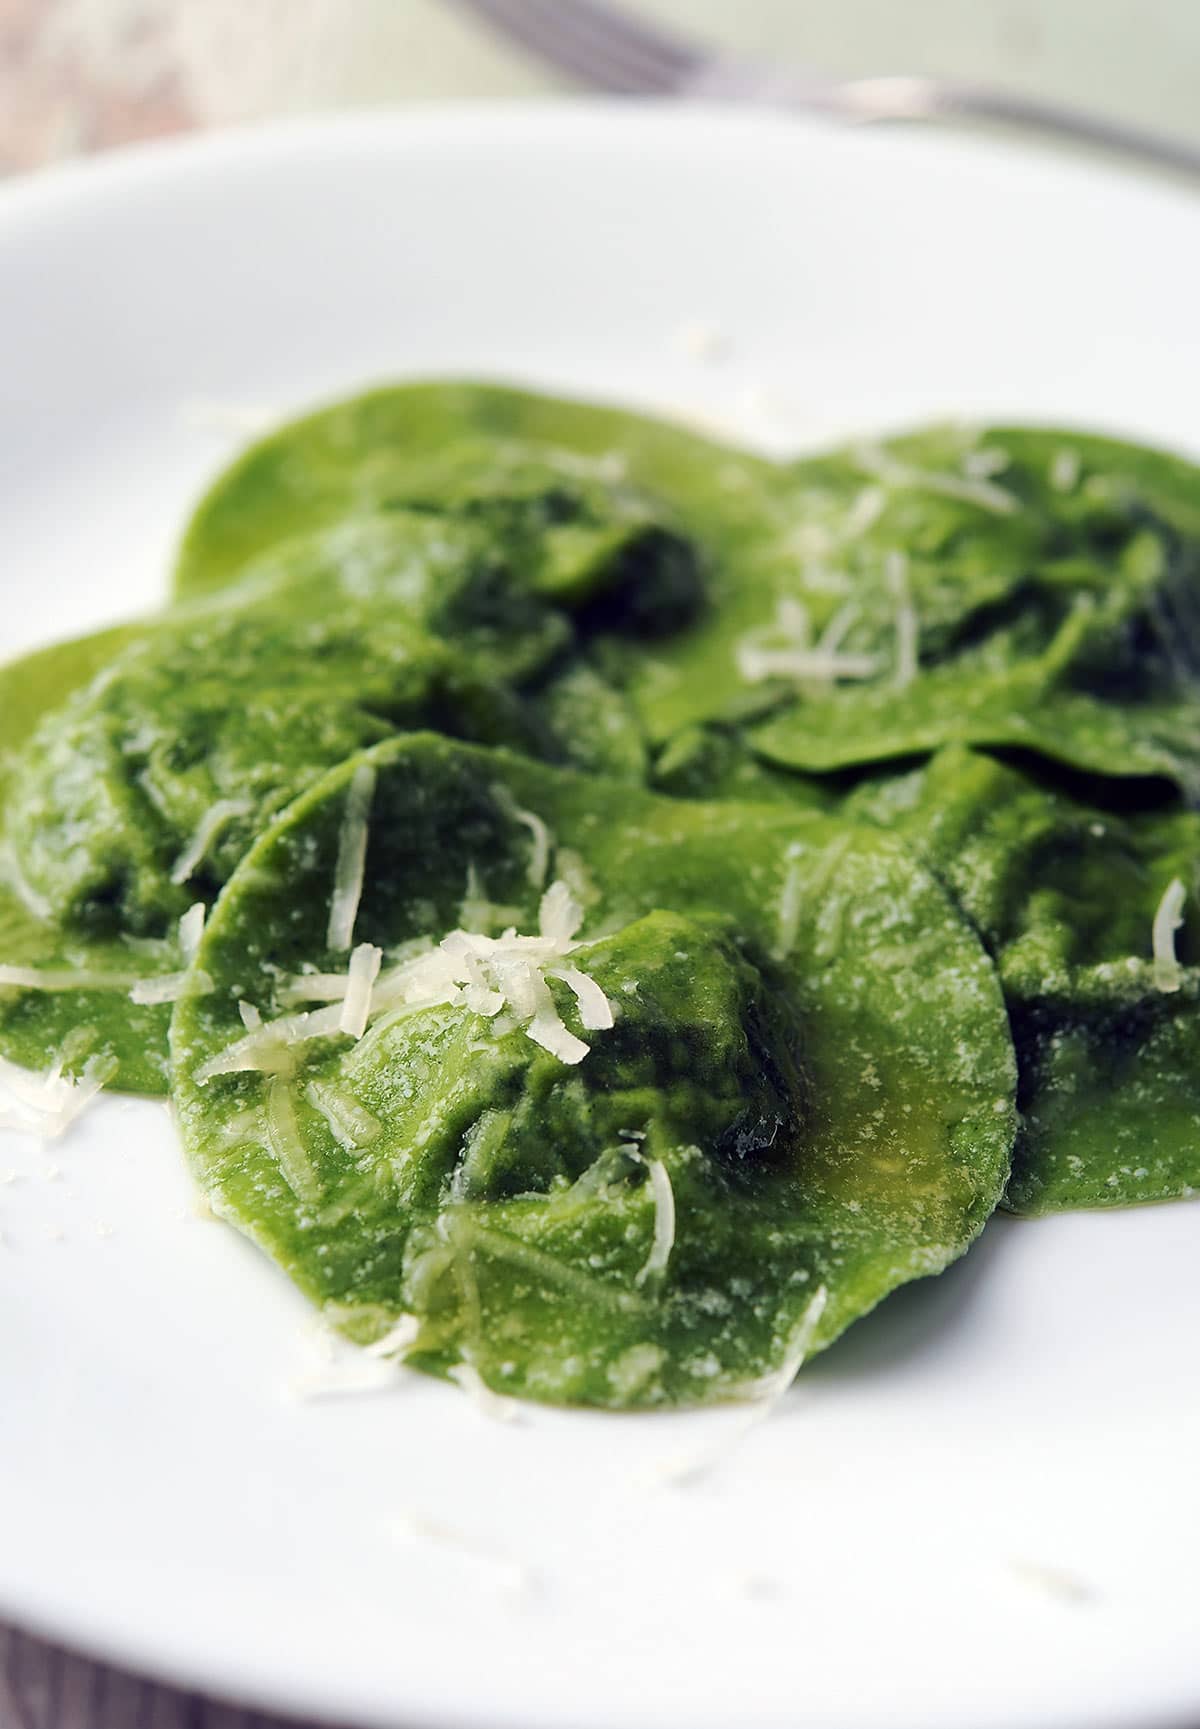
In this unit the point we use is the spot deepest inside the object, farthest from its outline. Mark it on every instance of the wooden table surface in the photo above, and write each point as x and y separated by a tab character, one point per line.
44	1687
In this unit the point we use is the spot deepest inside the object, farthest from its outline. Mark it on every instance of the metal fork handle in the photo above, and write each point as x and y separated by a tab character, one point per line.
870	100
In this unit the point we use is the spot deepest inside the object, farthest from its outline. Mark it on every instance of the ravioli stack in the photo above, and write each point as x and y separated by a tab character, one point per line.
609	908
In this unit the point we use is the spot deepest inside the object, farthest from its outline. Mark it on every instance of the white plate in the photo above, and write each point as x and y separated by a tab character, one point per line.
978	1510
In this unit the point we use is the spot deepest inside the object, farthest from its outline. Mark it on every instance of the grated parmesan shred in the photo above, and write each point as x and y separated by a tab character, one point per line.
539	856
191	929
482	974
595	1010
172	987
786	650
769	1389
46	1105
65	979
360	980
14	879
268	1048
896	572
351	859
1065	470
226	418
158	988
1168	974
789	912
839	626
486	1401
352	1126
283	1133
664	1221
967	489
984	463
868	506
397	1342
217	817
314	988
764	1396
342	1370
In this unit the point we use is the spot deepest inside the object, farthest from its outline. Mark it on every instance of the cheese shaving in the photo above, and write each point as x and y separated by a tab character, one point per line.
360	979
1168	974
702	340
490	1404
342	1370
215	818
786	650
896	571
559	916
341	1381
191	929
789	913
539	857
315	988
891	472
868	506
764	1394
352	1126
475	909
769	1389
14	878
839	626
47	1105
983	464
65	979
398	1341
1064	470
468	1234
595	1010
228	419
268	1048
172	987
160	988
664	1221
351	859
468	970
283	1133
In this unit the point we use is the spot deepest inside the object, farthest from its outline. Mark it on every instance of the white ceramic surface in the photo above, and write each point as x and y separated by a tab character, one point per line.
979	1510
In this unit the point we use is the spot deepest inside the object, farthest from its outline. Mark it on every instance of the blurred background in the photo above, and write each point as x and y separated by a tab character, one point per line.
81	75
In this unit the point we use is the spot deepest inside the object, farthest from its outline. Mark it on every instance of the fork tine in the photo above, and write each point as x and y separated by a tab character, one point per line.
525	24
550	29
594	43
636	40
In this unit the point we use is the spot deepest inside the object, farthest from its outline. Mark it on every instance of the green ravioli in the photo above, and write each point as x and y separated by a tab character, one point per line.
597	505
638	528
237	703
806	1097
1048	604
1065	893
584	734
131	794
100	1026
1014	587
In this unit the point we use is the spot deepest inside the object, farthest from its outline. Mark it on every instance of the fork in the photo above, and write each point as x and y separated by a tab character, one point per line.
603	46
